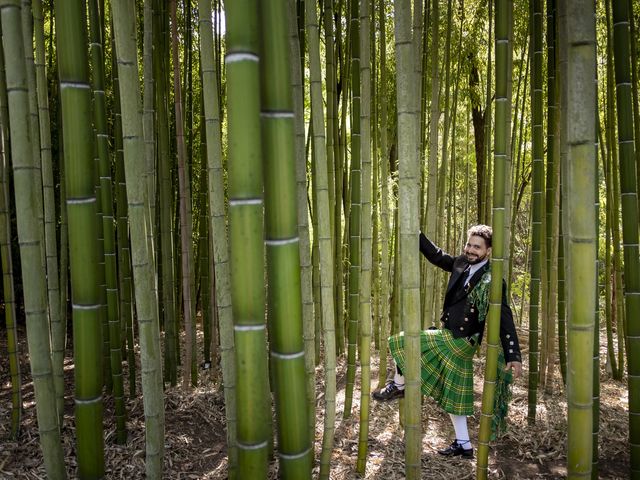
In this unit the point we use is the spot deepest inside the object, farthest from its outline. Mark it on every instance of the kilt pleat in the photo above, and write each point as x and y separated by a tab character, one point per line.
446	368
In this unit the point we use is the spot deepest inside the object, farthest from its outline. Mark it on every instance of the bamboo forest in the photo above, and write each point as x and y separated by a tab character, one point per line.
213	218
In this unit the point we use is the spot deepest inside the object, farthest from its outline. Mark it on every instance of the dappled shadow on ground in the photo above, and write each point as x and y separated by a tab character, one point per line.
195	443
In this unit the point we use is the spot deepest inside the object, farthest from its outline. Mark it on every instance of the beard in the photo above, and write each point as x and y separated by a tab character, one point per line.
474	259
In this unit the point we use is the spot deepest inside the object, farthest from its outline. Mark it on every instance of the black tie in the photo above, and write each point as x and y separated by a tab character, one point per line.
465	275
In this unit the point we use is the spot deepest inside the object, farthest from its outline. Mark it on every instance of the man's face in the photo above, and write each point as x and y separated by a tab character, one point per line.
476	249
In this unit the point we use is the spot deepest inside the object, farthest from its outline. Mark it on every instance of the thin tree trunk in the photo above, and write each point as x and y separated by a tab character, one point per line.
432	198
122	224
53	286
629	204
140	225
366	235
537	207
166	182
308	318
13	351
484	206
106	202
609	274
217	227
355	212
29	239
186	255
324	238
384	204
547	365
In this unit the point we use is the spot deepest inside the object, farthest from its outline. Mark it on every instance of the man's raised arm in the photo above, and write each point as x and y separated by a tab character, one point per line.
435	254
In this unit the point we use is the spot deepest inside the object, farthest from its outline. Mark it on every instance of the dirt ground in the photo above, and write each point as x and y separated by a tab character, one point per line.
195	446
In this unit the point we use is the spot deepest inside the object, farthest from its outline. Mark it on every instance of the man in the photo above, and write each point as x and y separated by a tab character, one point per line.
447	353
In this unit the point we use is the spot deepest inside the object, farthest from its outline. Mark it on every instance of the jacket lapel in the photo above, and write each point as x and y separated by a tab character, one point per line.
477	276
455	290
455	276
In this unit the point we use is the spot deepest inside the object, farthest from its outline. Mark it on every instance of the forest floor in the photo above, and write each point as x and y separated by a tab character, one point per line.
195	445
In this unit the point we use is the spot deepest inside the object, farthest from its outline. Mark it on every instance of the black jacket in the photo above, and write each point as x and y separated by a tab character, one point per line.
459	314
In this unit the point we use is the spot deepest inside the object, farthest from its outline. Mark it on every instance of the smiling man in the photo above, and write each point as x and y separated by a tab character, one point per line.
447	353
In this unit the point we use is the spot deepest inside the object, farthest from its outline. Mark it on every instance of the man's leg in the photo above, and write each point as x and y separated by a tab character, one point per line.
393	389
462	444
462	432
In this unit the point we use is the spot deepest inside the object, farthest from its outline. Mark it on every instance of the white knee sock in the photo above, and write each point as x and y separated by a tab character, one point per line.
462	432
398	379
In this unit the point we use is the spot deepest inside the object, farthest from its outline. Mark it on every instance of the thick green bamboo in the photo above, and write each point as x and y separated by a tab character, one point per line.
409	217
106	192
537	206
355	212
29	239
580	169
140	226
217	226
75	93
246	235
282	250
7	263
501	134
53	287
629	204
366	252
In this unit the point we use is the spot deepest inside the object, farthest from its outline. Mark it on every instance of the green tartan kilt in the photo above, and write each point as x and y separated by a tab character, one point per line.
446	368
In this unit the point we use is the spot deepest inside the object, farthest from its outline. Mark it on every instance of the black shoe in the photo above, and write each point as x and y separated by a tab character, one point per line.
388	393
455	449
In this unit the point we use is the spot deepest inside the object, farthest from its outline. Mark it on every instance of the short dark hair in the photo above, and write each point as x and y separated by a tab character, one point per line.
483	231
